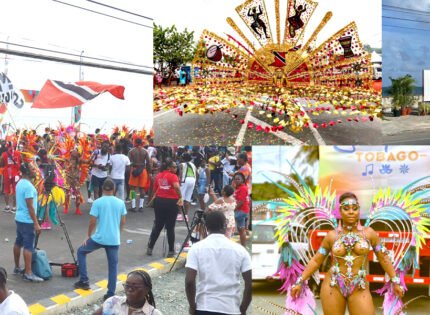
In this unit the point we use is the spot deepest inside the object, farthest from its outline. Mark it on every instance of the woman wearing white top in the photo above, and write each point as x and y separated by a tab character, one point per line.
10	302
187	174
226	204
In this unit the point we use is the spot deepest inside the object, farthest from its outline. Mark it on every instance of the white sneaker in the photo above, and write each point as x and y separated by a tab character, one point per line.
90	200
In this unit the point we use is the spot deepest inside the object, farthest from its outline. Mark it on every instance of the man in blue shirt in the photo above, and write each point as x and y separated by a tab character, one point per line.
107	218
27	225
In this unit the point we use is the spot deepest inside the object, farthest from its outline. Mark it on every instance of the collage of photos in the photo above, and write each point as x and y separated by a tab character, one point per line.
225	157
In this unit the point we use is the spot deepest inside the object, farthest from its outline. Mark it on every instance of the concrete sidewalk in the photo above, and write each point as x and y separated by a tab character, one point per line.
396	125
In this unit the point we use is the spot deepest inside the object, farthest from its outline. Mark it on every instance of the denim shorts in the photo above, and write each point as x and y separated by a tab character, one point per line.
25	235
240	218
97	182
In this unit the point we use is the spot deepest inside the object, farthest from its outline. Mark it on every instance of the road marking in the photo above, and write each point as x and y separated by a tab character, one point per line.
83	292
61	299
36	309
280	134
164	113
122	277
314	131
157	265
242	131
102	284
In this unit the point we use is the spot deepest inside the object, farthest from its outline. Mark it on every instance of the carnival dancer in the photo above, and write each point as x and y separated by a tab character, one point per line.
348	245
10	161
139	175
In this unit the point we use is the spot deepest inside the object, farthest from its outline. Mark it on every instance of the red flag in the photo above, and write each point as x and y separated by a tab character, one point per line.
279	59
57	94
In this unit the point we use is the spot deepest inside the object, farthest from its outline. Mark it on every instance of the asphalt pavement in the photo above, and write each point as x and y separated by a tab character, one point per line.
267	300
411	129
224	128
132	252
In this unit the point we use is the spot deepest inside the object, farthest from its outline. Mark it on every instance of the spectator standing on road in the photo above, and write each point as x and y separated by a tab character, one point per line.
226	204
27	225
167	199
10	302
187	174
99	172
107	218
203	180
215	168
242	206
120	163
139	174
229	162
138	297
216	264
10	161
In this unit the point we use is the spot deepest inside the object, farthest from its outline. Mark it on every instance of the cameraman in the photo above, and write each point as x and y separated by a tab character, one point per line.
99	171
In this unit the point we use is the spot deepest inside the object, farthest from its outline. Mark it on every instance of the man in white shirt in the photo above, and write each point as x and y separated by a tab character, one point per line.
218	262
119	164
99	171
10	302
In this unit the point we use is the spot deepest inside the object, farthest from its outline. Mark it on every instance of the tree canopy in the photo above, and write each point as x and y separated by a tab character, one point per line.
172	48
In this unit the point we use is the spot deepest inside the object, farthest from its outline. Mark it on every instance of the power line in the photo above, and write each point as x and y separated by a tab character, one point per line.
118	9
73	62
403	19
96	12
409	28
405	9
75	55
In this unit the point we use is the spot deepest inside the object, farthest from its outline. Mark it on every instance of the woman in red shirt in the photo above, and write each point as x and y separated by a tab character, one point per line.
167	199
242	205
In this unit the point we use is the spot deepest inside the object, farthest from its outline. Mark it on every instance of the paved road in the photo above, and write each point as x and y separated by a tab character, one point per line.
222	129
407	130
132	255
265	296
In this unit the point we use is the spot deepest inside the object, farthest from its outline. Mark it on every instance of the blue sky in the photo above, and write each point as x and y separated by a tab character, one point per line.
406	44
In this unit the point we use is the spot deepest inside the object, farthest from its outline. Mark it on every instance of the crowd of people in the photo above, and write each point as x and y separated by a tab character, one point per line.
43	174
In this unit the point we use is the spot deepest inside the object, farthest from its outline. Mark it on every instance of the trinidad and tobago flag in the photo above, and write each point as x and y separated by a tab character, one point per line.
279	59
57	94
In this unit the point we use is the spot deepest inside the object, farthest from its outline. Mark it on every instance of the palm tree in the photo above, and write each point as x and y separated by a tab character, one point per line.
402	91
308	154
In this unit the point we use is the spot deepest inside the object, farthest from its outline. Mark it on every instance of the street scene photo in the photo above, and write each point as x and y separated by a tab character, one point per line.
267	72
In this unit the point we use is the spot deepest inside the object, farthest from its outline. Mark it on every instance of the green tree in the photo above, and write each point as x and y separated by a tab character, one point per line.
402	89
308	154
172	49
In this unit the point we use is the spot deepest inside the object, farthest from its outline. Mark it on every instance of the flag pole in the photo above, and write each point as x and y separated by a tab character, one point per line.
77	110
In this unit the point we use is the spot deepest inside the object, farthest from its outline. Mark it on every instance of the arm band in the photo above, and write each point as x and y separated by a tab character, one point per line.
380	248
323	251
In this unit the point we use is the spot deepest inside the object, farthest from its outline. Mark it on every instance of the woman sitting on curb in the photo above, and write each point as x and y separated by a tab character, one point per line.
138	299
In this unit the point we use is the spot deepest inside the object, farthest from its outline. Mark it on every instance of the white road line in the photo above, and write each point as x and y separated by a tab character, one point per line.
280	134
314	131
163	113
242	131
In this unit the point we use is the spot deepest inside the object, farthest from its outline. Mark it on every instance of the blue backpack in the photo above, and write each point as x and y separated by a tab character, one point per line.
40	264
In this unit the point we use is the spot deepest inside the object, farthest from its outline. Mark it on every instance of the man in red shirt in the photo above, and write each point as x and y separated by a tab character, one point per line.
10	161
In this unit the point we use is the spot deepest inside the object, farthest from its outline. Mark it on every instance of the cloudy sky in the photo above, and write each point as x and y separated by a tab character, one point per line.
406	45
53	25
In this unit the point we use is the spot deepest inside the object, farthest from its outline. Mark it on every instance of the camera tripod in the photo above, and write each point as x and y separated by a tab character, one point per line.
197	221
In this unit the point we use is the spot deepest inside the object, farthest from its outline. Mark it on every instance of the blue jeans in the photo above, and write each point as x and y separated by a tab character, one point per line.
119	186
112	257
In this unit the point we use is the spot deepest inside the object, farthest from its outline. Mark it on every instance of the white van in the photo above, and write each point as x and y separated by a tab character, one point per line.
265	253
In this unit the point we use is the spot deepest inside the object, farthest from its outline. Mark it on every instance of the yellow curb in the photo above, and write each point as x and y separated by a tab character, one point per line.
61	299
169	260
122	277
36	309
144	269
83	292
183	255
157	265
102	284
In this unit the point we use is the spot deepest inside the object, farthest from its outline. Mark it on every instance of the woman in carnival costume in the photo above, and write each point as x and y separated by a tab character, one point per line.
348	245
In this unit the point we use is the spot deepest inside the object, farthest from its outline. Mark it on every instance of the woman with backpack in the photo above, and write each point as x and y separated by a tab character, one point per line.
187	174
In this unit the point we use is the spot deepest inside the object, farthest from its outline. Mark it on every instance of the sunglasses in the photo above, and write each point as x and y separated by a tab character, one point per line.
132	287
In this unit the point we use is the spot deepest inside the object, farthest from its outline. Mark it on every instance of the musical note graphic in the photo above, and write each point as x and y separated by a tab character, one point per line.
368	170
